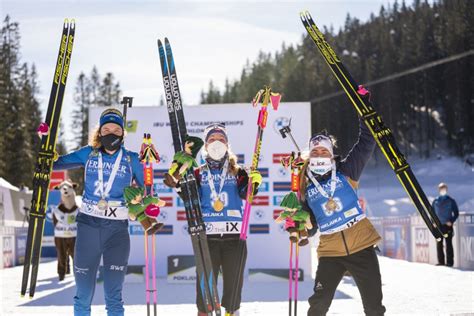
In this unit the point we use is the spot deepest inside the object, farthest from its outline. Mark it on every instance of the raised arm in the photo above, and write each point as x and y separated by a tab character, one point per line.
353	164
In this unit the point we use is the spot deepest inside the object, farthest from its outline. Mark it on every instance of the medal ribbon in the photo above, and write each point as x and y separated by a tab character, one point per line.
108	186
214	194
319	187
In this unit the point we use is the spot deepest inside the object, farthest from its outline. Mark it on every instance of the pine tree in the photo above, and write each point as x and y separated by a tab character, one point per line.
16	151
94	87
425	109
90	92
80	114
109	91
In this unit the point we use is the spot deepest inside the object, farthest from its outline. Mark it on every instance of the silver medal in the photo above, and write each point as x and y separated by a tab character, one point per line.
102	205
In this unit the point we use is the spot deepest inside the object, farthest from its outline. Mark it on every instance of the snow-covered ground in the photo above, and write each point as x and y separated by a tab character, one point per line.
409	289
386	197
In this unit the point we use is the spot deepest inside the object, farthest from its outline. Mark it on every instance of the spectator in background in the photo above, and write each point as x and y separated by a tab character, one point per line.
447	211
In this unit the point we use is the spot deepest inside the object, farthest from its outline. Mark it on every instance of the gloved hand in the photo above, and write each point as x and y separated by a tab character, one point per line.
152	211
255	177
362	91
43	129
153	205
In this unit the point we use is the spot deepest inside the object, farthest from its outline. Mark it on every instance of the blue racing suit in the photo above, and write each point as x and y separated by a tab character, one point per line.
102	234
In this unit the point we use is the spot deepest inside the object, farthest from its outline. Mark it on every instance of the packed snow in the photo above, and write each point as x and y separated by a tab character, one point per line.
409	289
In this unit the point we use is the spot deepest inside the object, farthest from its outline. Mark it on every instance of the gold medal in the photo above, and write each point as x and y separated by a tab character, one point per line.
331	205
102	205
218	206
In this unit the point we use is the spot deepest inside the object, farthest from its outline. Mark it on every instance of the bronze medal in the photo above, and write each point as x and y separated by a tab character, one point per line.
331	205
218	206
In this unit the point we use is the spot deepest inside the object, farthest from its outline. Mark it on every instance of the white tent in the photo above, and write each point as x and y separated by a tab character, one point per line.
12	202
5	184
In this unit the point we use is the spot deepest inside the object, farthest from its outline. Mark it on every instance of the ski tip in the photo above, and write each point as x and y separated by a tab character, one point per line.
303	17
167	42
72	23
159	42
66	22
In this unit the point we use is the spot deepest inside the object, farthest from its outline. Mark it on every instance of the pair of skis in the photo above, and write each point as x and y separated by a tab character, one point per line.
45	159
188	186
382	134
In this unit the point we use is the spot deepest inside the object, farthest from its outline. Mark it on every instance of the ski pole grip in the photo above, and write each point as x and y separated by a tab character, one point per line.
127	103
148	175
295	181
262	117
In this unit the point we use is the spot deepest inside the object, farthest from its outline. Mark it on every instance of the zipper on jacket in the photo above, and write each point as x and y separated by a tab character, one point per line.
344	241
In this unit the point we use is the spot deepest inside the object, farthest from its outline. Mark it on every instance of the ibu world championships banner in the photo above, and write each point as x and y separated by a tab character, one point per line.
268	244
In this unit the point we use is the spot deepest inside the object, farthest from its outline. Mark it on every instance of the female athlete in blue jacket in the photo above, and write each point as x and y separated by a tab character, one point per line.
223	187
102	230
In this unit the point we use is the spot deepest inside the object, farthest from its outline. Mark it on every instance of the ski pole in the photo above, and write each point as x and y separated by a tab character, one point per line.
147	276
148	154
153	259
272	98
294	163
297	275
290	279
153	245
286	131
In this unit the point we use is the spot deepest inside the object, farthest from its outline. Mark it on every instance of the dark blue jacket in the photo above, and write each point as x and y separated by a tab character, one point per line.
446	209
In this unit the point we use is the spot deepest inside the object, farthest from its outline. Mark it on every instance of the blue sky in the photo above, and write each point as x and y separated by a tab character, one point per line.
210	39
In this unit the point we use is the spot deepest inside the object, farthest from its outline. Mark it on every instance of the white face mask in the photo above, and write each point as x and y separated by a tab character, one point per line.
443	192
320	165
216	150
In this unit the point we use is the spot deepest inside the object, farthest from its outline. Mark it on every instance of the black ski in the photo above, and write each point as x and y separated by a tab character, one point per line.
44	163
188	185
382	134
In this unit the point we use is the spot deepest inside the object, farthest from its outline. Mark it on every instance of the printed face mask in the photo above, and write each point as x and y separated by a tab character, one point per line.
320	165
216	150
111	141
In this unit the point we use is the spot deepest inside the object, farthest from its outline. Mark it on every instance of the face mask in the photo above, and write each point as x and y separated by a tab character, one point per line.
443	192
320	165
216	150
111	142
